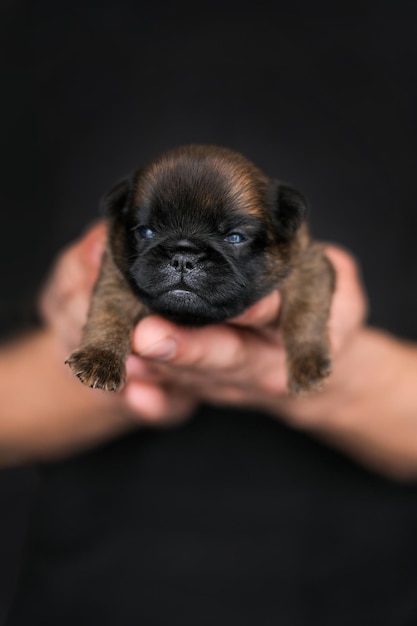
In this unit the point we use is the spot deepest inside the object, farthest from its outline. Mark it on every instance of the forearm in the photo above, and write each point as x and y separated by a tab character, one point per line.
369	407
44	410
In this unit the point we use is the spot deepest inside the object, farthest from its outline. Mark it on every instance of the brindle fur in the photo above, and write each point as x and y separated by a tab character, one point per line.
105	346
207	176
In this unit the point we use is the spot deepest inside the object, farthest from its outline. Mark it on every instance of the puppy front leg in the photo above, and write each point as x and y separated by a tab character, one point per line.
106	340
307	295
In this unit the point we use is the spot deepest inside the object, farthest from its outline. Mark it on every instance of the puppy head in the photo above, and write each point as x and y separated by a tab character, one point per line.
205	233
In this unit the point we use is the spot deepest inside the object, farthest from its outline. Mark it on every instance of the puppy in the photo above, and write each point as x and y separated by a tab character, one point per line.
199	235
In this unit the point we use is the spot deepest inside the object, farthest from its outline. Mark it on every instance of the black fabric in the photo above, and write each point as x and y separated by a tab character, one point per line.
232	518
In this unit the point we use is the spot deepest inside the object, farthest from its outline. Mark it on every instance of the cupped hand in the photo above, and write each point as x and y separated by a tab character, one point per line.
243	362
63	305
64	300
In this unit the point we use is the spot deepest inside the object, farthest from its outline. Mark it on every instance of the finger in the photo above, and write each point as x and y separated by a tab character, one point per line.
91	244
224	354
211	347
260	314
75	269
64	301
66	315
141	370
349	305
153	405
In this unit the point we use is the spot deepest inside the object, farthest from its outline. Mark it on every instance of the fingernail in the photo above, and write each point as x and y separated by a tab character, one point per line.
163	350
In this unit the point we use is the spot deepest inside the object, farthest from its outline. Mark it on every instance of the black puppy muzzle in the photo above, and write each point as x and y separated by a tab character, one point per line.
189	281
186	257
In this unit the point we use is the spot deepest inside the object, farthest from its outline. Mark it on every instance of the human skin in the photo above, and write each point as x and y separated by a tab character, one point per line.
45	412
368	408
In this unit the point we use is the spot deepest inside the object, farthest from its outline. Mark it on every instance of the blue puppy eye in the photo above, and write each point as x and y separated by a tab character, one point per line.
234	238
145	232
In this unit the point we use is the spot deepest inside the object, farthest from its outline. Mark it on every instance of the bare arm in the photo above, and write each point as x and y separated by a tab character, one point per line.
45	412
370	407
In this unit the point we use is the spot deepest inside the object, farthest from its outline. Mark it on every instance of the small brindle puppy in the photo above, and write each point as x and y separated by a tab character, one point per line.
198	236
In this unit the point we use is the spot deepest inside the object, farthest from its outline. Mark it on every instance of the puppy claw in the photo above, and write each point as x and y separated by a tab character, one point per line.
98	368
309	371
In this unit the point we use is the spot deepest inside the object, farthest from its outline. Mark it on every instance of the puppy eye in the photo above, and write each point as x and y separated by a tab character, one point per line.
145	232
234	238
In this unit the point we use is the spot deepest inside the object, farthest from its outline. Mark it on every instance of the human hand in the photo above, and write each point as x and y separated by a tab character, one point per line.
64	300
243	362
63	305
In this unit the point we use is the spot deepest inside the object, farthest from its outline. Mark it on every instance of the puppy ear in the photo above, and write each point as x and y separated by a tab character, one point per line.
116	201
289	210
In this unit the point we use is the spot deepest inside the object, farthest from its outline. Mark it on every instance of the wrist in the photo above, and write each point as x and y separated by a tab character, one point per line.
368	407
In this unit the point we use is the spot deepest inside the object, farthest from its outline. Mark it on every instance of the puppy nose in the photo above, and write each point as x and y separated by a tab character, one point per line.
184	261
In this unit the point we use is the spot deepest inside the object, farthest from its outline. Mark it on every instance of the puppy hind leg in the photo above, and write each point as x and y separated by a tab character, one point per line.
106	340
307	295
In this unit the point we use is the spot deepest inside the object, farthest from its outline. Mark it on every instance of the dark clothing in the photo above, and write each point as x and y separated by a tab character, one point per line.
232	518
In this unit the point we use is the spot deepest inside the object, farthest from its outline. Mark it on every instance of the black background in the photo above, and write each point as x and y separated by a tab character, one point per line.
90	92
325	103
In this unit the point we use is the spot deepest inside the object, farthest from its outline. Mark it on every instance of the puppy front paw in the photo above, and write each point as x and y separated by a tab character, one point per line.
98	368
309	369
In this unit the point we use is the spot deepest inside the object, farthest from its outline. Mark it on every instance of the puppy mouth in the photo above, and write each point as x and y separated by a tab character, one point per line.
181	296
180	292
